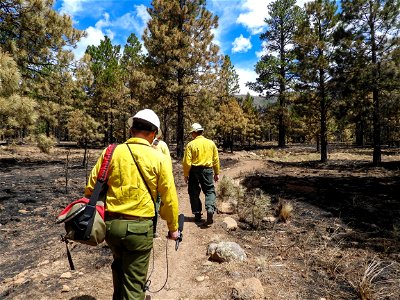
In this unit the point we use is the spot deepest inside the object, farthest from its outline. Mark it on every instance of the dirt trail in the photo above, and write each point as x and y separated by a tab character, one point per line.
33	260
188	266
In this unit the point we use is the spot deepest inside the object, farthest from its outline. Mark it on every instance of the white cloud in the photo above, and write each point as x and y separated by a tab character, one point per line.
103	22
263	51
71	7
134	21
246	75
141	12
94	36
241	44
255	13
227	15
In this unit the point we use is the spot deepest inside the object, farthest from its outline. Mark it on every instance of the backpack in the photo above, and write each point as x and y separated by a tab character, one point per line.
84	218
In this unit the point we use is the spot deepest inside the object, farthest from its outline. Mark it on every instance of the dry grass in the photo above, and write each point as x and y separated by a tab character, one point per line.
285	211
377	282
229	191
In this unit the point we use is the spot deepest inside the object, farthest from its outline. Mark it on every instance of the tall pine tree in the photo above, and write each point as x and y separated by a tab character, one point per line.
276	68
314	43
374	27
181	56
108	89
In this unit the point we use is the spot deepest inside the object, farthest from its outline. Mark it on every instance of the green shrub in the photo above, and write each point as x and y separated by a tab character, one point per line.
253	207
226	188
45	143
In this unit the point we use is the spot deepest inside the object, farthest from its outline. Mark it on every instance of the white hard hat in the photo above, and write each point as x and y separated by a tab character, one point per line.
146	115
196	127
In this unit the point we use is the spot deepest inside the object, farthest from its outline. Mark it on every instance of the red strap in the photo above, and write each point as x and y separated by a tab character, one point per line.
64	213
106	162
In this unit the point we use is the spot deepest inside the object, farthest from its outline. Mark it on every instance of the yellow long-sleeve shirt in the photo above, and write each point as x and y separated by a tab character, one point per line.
201	152
162	147
127	193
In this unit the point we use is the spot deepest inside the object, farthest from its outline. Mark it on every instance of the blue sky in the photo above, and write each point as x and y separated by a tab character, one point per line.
238	35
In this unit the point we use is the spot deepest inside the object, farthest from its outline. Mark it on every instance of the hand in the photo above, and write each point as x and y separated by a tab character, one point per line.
216	177
173	235
186	179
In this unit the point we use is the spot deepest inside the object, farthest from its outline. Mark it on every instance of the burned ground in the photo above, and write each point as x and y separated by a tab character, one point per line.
346	216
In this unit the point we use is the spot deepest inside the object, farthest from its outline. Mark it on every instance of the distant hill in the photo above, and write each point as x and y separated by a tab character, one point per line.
260	102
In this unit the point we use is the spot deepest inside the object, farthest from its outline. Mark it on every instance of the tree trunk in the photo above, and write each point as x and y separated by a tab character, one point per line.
180	128
84	155
324	134
112	139
282	100
360	132
165	133
377	159
105	139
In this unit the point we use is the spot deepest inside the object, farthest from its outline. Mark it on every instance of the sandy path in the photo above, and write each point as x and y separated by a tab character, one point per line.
186	264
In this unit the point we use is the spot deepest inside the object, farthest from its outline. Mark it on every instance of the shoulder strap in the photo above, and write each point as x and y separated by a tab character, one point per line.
106	162
140	172
102	176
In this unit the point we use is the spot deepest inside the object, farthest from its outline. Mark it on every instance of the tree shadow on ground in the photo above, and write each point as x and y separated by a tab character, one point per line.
368	204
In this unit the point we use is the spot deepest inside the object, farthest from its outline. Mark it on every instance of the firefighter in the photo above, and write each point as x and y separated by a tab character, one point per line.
200	169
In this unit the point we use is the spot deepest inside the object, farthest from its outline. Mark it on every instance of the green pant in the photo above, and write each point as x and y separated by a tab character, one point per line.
201	179
131	242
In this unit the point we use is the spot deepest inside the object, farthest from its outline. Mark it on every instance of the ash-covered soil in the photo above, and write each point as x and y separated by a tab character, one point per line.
341	242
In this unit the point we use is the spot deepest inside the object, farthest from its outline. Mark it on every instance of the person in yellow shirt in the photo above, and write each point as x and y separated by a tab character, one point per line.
200	169
137	174
161	146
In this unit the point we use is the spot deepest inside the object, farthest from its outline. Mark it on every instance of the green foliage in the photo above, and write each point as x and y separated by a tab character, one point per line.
16	113
9	75
371	30
34	34
109	92
315	47
332	76
83	128
45	143
253	207
252	131
181	57
230	192
276	71
228	81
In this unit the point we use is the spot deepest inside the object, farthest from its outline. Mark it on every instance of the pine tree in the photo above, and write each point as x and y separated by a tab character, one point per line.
108	89
276	68
231	123
252	130
374	31
226	86
54	92
34	33
181	58
314	46
228	80
40	41
132	64
17	113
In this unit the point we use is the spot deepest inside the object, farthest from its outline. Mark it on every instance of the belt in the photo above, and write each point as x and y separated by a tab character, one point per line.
115	215
199	168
